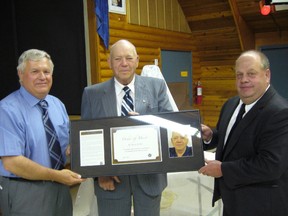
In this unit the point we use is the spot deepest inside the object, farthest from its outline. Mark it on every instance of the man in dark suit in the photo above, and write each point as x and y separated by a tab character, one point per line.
104	100
251	166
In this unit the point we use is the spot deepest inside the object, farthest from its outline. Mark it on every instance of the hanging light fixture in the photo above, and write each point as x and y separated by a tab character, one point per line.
266	7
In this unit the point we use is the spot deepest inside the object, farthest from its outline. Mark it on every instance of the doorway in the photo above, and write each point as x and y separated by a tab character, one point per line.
277	56
177	71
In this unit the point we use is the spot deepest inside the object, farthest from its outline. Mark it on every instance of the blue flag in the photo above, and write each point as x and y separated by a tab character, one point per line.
102	15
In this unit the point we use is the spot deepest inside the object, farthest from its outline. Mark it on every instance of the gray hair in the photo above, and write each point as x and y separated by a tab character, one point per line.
264	61
33	55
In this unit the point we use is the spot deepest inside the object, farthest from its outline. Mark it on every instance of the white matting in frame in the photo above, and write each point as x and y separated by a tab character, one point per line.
117	6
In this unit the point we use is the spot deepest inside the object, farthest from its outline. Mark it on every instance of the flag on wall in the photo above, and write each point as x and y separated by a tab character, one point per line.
102	15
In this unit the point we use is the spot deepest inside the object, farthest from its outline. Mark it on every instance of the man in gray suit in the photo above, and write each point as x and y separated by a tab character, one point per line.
251	166
104	100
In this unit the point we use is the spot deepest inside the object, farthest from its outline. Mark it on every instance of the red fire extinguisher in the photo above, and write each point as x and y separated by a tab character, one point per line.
199	93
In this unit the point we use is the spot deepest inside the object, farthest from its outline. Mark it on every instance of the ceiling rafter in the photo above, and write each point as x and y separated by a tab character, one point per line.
231	26
246	35
209	16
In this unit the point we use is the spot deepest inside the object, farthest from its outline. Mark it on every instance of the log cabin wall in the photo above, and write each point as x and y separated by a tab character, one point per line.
214	51
271	38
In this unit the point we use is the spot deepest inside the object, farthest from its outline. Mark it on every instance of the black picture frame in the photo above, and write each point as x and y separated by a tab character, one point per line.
164	121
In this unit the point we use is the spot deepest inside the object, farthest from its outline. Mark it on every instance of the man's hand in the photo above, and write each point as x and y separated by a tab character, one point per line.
108	182
207	133
68	151
133	113
212	168
28	169
68	177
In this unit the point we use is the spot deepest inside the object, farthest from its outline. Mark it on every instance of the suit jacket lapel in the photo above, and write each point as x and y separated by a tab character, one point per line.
225	121
141	96
247	120
109	99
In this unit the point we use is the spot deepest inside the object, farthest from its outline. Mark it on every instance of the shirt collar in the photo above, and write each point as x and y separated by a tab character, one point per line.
119	86
249	106
31	100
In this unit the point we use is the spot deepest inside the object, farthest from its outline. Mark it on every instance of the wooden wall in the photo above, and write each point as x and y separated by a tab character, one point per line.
162	14
271	38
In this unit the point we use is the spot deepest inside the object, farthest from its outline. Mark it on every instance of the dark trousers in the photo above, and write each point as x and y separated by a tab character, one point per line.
120	205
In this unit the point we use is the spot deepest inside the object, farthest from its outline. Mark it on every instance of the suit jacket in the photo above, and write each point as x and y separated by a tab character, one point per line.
255	161
150	98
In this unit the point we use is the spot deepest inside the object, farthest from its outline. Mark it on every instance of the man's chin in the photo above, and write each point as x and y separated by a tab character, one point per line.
43	93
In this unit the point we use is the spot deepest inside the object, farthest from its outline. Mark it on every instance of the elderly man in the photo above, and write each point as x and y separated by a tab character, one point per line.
125	94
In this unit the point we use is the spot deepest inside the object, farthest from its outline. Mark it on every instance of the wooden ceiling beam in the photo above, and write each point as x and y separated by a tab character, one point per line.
245	34
209	16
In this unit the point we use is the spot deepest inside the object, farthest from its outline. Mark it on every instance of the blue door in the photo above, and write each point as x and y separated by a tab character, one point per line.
278	57
177	71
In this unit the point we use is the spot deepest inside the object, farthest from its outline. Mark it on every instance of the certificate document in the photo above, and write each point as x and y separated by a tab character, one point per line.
136	144
91	147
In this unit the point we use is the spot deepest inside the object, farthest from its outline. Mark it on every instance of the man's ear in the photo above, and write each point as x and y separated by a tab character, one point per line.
20	74
268	75
137	61
109	62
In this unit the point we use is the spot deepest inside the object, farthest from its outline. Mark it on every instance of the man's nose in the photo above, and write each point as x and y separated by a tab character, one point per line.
41	74
124	61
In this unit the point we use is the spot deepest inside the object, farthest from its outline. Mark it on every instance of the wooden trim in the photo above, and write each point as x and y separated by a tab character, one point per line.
215	15
93	43
245	34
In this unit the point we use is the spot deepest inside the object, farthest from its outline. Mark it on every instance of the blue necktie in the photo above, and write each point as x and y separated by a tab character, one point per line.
127	102
53	143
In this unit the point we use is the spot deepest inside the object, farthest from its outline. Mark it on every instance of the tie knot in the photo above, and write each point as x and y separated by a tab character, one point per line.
126	89
43	104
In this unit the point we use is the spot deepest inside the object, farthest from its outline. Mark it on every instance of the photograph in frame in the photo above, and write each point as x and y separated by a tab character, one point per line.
180	142
117	6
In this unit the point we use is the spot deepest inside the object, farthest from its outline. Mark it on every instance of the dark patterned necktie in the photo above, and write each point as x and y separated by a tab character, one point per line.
127	102
238	119
53	143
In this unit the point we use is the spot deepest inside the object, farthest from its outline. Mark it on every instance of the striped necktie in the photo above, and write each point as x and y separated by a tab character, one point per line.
53	143
127	102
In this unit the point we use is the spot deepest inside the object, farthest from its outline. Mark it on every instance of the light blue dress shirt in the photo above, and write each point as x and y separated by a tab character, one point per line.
22	131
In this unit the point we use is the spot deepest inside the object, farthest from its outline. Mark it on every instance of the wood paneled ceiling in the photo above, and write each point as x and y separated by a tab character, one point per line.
223	28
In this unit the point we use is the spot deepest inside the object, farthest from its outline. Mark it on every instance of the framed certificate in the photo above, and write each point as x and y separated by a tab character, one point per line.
159	143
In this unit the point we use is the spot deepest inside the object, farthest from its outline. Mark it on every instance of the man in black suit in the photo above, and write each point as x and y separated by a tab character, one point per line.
251	166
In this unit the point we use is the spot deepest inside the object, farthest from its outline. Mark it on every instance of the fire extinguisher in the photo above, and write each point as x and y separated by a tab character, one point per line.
199	93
